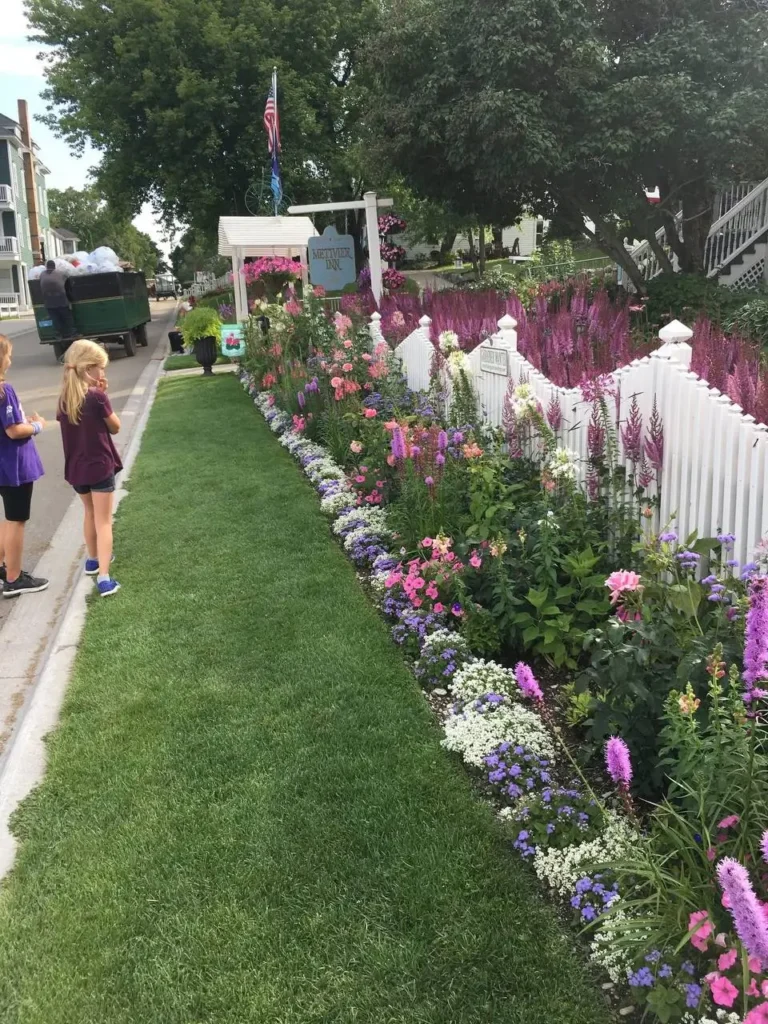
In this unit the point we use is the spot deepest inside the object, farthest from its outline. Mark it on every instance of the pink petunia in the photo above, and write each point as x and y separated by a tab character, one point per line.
427	542
700	937
475	561
723	992
758	1015
730	821
359	479
438	607
727	960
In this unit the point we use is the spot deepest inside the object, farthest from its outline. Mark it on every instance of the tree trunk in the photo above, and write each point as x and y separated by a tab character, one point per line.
472	250
446	246
498	242
698	211
609	241
481	248
658	250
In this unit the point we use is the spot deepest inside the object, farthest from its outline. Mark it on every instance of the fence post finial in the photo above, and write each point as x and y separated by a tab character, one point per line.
374	328
425	323
675	337
507	337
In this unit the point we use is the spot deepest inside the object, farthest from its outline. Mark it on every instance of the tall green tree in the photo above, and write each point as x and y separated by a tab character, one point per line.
95	223
173	92
576	105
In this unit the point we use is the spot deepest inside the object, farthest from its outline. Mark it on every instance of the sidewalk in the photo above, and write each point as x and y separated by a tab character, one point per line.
247	817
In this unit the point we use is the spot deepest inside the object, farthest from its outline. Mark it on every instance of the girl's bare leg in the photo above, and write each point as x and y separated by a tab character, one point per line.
89	525
102	513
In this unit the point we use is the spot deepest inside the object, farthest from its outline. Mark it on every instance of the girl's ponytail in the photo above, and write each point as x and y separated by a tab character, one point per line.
80	357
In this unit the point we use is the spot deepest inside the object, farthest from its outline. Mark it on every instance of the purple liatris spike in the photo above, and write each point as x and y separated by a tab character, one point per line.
301	400
442	441
398	444
554	413
527	681
632	433
618	761
756	634
748	919
654	443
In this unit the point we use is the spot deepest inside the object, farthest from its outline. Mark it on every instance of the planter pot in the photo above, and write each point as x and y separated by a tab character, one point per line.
176	339
206	354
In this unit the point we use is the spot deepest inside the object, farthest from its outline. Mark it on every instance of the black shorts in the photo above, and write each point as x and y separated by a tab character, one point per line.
105	487
17	502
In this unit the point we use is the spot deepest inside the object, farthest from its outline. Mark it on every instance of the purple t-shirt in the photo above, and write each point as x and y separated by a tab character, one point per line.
19	460
90	456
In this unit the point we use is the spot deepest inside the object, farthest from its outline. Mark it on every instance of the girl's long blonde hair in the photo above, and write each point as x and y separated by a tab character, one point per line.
80	358
5	350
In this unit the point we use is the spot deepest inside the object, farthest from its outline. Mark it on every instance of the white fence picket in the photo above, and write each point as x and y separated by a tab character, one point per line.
715	458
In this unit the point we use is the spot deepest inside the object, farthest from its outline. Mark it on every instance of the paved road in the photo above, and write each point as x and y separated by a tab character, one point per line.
36	377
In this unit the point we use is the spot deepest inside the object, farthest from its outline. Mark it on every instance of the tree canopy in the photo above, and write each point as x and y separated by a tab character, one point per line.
173	92
95	223
574	104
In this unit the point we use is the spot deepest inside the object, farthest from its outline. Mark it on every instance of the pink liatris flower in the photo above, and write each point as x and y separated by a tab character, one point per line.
700	936
618	762
527	682
745	909
622	581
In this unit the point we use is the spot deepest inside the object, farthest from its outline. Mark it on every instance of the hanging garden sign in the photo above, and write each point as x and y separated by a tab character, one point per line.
332	260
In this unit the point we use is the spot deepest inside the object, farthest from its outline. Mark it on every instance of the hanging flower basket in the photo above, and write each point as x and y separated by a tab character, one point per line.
273	273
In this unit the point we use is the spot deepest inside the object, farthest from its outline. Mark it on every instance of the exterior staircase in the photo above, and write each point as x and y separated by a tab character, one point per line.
737	247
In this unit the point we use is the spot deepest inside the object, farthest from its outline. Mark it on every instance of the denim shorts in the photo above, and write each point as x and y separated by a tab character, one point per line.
105	487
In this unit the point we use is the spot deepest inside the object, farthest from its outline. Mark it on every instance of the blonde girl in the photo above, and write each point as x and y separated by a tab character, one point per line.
20	467
90	458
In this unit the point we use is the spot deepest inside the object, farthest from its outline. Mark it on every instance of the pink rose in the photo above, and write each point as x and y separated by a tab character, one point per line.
622	581
700	936
336	382
370	414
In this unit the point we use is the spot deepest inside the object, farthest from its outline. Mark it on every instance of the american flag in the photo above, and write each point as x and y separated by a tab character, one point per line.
272	119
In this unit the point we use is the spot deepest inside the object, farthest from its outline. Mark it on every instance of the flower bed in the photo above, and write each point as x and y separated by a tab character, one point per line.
483	553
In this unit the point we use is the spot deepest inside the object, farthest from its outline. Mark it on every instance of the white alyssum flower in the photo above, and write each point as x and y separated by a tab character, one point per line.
480	677
604	951
378	583
721	1017
364	533
324	469
282	421
562	464
372	517
561	869
334	503
475	734
263	402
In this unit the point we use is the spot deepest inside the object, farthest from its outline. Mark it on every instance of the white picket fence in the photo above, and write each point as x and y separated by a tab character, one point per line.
715	457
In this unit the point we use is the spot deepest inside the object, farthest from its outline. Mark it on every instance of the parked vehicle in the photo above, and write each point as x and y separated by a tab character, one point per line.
110	308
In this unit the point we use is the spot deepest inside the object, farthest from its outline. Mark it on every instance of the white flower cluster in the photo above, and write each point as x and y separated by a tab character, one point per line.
364	533
524	402
372	517
263	402
280	422
448	341
475	734
549	522
561	869
604	951
562	464
324	469
479	677
332	504
721	1017
458	362
378	581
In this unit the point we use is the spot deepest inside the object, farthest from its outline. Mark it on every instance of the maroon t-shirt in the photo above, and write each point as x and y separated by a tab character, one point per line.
90	456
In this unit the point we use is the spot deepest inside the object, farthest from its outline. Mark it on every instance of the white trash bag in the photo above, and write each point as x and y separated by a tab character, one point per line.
35	273
104	255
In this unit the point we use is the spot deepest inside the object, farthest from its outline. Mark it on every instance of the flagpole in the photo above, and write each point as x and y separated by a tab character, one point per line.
277	121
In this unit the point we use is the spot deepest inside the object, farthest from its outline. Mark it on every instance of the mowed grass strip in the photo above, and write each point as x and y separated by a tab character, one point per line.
247	816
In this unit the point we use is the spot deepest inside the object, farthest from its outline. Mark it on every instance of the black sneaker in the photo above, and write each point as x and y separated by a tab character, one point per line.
25	584
2	573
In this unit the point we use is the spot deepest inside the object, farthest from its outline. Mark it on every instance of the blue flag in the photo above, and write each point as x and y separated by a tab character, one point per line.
276	184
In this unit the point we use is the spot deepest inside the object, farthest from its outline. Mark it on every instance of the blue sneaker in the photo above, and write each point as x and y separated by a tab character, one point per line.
108	587
92	566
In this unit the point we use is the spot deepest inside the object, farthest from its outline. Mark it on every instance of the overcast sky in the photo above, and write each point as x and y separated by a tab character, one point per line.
21	77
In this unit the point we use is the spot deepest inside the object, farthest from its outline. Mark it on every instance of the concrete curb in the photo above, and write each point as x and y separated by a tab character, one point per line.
44	657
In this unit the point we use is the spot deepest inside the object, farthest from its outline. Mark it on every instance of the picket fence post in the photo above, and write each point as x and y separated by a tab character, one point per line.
374	329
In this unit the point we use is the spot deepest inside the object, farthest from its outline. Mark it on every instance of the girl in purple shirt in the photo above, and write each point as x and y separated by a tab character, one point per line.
90	459
20	466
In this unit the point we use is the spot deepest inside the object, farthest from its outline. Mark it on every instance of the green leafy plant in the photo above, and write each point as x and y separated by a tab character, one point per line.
200	322
750	321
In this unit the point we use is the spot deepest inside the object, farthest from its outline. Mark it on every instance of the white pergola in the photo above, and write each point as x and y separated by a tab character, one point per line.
240	237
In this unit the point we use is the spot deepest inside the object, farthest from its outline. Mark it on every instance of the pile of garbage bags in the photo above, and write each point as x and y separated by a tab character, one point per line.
101	261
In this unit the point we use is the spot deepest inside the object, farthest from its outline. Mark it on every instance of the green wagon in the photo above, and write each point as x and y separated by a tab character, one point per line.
110	308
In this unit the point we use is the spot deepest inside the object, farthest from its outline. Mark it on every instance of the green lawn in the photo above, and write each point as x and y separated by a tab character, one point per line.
247	816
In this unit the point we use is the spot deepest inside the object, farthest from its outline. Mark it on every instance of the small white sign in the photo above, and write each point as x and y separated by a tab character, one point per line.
494	360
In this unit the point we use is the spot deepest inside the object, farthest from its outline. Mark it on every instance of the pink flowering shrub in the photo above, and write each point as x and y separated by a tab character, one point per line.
430	581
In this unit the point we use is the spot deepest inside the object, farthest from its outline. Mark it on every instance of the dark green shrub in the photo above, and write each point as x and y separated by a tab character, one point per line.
688	296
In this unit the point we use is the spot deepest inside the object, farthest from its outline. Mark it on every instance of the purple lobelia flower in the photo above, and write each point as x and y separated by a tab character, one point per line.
527	682
618	762
748	919
632	433
756	636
